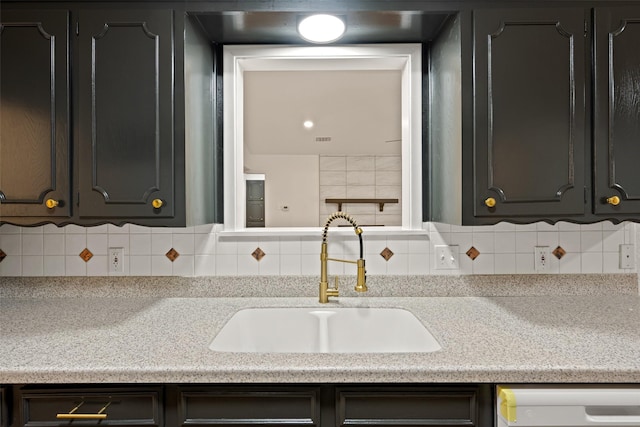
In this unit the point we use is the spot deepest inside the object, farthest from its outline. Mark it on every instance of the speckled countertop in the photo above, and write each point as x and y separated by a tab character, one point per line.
560	338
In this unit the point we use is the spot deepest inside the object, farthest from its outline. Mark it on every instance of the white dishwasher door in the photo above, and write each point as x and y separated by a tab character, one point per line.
567	406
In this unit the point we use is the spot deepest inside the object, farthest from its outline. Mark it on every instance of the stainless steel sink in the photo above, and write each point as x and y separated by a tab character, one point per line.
324	330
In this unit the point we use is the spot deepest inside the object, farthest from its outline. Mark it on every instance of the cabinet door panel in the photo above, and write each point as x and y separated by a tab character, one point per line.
125	407
34	114
126	113
248	406
406	406
530	112
617	110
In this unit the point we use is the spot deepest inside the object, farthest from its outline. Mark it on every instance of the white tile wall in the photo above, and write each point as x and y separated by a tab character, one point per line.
362	177
504	249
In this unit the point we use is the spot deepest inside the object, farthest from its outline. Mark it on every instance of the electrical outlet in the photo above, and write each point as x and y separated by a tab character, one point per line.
541	258
626	257
447	257
116	260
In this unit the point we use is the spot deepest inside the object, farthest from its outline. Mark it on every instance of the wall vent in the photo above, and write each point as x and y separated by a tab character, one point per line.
323	139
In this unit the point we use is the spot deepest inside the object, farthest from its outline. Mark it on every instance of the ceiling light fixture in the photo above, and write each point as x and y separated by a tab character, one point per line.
308	124
321	28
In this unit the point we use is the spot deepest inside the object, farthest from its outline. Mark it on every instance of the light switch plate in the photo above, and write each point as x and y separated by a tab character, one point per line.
447	257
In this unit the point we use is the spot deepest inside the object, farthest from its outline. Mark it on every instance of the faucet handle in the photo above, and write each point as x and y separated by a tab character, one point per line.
335	283
361	283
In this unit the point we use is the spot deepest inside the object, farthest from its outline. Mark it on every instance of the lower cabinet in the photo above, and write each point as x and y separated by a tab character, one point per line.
414	406
293	405
331	405
4	422
247	406
100	405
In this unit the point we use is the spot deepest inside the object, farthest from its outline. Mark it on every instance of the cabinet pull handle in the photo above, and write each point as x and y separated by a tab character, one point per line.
613	200
490	202
157	203
51	203
72	415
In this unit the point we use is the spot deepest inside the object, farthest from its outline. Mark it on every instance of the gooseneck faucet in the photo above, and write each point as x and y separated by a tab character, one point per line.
361	281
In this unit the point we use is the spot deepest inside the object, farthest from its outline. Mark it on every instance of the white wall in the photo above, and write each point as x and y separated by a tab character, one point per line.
291	181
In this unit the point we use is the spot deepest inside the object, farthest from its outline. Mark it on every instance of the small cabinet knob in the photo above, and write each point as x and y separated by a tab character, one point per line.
613	200
490	202
157	203
50	203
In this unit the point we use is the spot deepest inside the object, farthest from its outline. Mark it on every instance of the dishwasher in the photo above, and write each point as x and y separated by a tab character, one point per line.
567	406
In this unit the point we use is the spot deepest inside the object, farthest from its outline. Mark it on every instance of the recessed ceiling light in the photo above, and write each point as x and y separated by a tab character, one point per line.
307	124
321	28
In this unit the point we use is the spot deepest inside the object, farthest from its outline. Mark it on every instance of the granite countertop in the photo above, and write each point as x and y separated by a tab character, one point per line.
565	339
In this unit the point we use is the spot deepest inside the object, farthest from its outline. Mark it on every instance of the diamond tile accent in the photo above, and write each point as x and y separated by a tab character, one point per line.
86	255
559	252
2	255
258	254
386	254
473	253
172	254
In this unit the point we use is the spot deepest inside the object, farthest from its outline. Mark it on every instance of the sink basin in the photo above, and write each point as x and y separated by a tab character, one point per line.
324	330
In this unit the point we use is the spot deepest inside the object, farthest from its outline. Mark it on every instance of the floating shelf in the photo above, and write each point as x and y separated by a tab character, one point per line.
379	202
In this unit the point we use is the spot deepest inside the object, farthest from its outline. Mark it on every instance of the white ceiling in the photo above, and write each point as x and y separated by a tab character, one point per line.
359	110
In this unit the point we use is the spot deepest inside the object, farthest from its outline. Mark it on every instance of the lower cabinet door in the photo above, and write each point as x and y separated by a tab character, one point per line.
249	406
413	406
57	407
3	407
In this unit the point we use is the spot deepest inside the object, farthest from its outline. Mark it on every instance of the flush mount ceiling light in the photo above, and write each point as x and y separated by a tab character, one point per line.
321	28
308	124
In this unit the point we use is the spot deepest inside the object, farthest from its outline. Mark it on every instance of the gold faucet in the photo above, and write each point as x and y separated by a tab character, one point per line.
361	281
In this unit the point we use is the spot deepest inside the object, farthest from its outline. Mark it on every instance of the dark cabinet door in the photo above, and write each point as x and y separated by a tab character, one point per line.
89	406
617	111
414	406
34	114
288	405
255	203
529	107
126	121
3	407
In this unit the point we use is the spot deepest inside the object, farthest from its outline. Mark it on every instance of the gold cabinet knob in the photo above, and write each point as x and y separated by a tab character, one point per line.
50	203
490	202
614	200
157	203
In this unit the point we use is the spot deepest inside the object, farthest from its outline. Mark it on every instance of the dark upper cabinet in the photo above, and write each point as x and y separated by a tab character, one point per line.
547	123
125	114
34	115
616	111
112	140
529	105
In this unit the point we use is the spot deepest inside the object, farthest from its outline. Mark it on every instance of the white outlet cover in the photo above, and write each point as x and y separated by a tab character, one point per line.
116	261
627	256
541	258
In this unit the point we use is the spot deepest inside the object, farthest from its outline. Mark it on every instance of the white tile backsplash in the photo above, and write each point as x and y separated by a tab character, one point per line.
54	265
32	265
504	249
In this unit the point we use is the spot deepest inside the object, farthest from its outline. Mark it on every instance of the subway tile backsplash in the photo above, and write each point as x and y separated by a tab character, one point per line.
202	251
